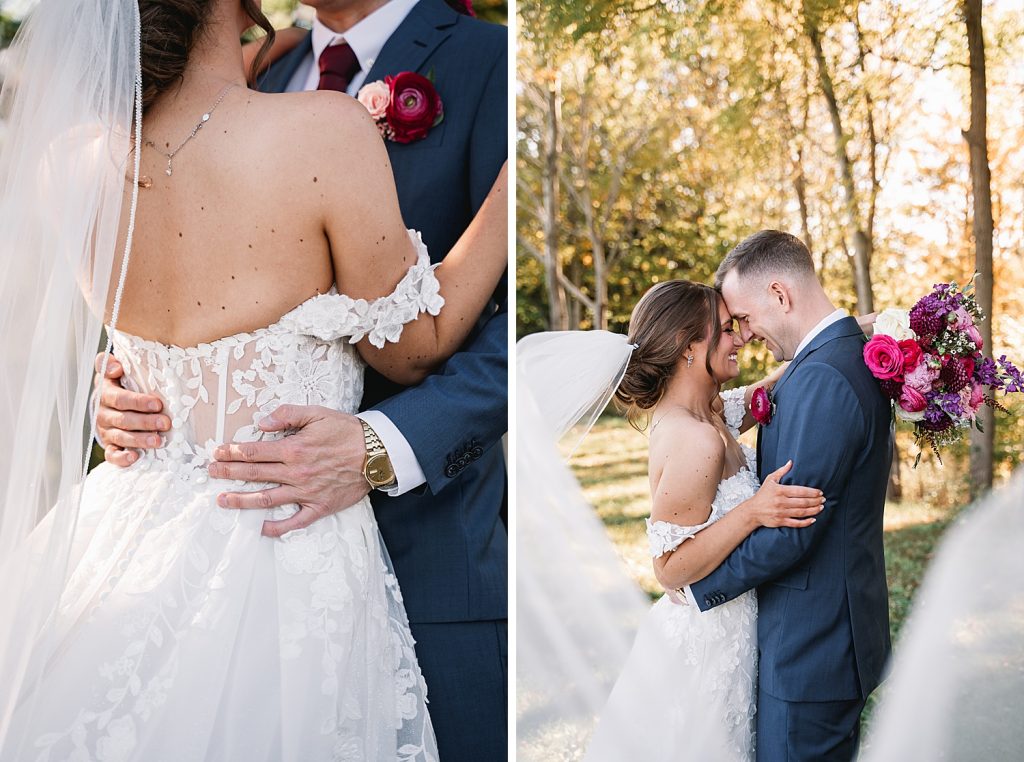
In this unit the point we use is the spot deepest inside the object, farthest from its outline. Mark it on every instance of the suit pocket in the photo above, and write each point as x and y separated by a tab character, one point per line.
795	579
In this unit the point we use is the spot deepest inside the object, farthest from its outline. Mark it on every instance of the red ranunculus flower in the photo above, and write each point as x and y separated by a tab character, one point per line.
761	406
462	6
884	357
912	354
415	107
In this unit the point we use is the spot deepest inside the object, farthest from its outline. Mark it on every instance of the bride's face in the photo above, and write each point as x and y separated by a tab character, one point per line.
724	362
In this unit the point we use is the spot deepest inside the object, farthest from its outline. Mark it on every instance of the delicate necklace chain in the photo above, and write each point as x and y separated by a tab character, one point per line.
195	130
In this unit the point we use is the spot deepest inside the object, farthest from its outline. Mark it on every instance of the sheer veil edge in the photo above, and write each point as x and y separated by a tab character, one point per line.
71	99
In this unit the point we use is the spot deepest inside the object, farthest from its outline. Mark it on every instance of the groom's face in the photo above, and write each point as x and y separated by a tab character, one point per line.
753	314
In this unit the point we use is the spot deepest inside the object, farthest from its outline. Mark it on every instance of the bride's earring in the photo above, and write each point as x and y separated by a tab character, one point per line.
689	360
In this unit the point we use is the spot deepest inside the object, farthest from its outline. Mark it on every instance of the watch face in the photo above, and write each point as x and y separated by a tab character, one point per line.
379	471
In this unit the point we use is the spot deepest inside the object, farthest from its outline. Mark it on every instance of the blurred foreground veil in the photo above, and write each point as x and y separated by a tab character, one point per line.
577	607
957	687
69	101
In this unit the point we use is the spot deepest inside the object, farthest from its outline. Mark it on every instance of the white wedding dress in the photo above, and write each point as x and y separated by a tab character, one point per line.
185	635
688	689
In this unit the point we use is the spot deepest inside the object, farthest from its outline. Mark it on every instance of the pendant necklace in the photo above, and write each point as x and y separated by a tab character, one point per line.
195	131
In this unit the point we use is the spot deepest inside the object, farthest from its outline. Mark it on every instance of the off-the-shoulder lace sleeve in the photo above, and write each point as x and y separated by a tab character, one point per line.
735	409
333	316
664	536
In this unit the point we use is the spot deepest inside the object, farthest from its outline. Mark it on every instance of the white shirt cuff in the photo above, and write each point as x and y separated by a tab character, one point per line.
403	460
689	597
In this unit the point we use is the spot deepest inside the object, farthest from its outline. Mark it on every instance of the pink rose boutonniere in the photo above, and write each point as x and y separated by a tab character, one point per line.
762	409
405	107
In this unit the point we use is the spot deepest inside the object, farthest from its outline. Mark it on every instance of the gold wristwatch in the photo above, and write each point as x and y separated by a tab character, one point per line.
377	468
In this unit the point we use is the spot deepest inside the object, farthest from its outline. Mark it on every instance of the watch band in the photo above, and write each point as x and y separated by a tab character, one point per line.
376	451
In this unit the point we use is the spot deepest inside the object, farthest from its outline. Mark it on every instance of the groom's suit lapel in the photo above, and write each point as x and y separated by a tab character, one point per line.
839	329
428	24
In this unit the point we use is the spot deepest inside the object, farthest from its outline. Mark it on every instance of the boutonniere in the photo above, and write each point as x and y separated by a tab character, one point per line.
762	408
405	107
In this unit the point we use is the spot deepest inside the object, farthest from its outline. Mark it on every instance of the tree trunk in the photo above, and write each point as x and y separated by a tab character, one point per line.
982	443
575	306
860	240
558	316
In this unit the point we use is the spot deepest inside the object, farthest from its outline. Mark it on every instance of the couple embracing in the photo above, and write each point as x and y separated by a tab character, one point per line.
775	629
221	588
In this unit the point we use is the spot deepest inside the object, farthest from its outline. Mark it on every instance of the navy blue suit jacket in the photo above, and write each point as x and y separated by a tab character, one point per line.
823	613
446	539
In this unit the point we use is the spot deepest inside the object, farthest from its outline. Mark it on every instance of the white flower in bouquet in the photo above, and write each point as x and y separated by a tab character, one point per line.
894	322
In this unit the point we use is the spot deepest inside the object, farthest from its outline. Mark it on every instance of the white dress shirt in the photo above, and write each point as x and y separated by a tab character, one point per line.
367	39
829	319
825	322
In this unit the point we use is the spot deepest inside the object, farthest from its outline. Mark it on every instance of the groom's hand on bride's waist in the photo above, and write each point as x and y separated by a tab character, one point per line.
319	466
126	421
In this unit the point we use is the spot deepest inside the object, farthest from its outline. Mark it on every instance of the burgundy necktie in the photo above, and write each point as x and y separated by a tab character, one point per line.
338	64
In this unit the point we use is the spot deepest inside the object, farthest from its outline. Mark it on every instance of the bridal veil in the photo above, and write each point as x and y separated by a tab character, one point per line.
71	102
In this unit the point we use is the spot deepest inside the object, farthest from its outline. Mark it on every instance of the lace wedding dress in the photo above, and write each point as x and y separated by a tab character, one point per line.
688	689
183	633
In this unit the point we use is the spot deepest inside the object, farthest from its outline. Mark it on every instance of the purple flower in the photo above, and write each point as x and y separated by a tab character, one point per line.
987	373
1014	381
950	403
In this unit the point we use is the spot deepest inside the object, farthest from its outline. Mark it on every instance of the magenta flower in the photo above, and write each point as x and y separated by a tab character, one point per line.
761	407
884	357
415	107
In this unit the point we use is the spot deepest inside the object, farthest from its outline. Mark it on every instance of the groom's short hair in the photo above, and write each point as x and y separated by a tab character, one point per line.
764	252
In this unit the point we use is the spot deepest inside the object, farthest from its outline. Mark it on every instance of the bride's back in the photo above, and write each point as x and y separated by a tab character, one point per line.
234	237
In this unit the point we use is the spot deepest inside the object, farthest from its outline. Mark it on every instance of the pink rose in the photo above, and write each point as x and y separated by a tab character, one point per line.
912	354
975	335
884	357
376	97
972	397
912	400
923	376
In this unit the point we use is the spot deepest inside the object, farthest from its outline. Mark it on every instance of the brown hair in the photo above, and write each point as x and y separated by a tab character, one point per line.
766	251
170	29
666	320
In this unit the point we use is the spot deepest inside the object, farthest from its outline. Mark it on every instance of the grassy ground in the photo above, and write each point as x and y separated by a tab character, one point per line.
611	465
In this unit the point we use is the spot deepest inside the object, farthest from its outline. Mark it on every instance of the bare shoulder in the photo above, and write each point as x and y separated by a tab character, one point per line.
686	468
681	436
321	118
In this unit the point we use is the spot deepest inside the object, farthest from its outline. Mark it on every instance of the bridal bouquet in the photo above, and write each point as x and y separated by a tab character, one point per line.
929	363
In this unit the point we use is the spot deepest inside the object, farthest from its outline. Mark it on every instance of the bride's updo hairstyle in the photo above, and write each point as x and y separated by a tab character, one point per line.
667	319
170	28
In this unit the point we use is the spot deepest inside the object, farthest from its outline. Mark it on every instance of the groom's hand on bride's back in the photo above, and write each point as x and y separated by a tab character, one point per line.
126	421
319	466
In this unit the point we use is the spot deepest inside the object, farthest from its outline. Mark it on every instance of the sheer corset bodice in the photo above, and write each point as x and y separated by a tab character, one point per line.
220	391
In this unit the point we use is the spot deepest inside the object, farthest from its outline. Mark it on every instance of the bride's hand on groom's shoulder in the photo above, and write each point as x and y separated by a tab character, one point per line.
125	421
867	323
784	505
319	466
